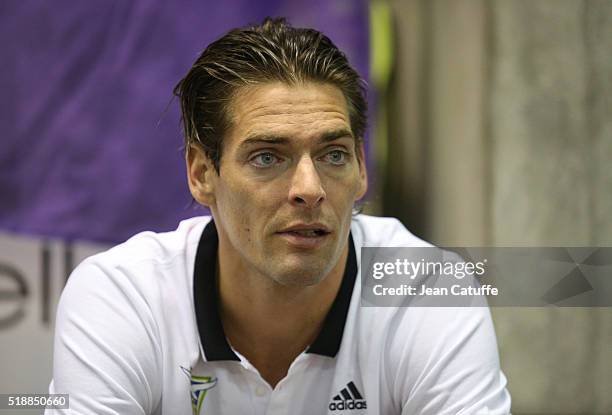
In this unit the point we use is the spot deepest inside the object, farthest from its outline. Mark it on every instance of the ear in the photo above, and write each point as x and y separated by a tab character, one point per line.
201	175
363	174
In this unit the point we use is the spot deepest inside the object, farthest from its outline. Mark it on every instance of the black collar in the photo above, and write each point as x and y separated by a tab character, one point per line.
212	336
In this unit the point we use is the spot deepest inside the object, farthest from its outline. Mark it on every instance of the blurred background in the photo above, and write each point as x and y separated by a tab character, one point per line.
490	125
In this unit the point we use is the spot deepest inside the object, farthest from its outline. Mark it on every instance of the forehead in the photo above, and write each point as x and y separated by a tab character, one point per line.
295	111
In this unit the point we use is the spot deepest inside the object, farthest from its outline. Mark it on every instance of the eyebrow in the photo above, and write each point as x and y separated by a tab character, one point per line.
279	139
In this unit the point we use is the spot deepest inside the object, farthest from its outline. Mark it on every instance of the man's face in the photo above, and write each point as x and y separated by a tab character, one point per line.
290	173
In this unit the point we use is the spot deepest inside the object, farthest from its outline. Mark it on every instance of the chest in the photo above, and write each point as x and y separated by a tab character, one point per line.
313	385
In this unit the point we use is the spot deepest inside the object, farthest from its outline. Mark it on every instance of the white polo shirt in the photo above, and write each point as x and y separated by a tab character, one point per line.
138	332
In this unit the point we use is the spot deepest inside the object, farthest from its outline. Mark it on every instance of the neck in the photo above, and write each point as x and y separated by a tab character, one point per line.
269	323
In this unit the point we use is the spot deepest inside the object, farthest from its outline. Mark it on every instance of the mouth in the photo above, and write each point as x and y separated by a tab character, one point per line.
308	233
305	236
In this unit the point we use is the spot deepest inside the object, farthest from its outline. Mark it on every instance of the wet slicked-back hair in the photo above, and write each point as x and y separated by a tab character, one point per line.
271	51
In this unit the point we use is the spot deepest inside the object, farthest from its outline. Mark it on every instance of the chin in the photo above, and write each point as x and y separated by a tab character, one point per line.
304	276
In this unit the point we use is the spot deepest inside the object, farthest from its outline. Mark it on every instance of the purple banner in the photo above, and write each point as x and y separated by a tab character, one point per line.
90	135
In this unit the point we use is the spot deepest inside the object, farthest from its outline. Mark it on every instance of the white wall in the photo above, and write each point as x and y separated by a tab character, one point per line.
33	272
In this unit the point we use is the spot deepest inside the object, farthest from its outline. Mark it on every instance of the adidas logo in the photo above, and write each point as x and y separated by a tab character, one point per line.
348	398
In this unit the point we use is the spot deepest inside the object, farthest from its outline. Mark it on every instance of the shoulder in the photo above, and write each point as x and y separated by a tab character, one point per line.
414	347
383	231
119	311
149	257
157	248
455	344
116	316
139	274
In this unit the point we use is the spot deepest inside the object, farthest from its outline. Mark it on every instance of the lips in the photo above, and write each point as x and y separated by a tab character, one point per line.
312	229
305	236
309	232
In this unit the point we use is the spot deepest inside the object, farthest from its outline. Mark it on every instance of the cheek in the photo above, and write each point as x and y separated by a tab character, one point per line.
346	187
230	205
246	206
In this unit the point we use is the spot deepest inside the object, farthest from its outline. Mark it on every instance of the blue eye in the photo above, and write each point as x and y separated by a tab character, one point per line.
336	157
264	160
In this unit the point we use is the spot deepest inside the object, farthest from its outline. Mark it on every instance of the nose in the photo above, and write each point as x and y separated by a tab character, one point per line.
306	187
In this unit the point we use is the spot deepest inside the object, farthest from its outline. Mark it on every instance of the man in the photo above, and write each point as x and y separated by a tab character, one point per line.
256	310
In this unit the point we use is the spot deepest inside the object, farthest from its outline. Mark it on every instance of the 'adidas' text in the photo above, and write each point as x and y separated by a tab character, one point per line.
348	398
342	405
